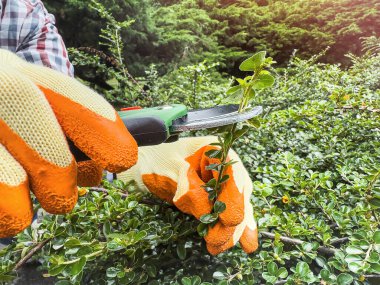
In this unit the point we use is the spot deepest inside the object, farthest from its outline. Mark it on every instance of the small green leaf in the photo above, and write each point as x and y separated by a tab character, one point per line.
212	195
195	280
213	166
254	122
254	62
344	279
219	275
202	229
282	273
354	267
181	250
151	270
353	258
329	184
242	82
302	268
78	266
114	246
325	274
272	268
269	278
375	268
233	90
72	242
186	281
214	153
211	183
224	179
55	270
139	236
241	132
209	218
376	237
375	202
219	207
374	257
307	246
111	272
321	261
263	81
107	228
354	250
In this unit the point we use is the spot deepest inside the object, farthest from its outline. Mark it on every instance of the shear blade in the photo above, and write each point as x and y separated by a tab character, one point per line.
213	117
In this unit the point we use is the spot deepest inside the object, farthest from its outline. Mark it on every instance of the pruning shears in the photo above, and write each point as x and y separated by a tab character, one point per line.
156	125
152	126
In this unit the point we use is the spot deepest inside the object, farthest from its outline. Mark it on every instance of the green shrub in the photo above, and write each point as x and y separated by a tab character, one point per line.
315	166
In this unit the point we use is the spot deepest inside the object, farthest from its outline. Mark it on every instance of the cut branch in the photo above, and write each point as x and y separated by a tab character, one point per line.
361	108
339	241
322	249
372	276
33	251
105	191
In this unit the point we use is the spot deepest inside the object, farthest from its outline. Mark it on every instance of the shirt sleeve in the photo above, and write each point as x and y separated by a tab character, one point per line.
40	41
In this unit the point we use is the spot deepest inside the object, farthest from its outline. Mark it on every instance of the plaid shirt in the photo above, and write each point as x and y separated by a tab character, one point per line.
27	29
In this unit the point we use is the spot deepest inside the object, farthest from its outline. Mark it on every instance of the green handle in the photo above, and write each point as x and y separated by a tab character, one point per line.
150	126
166	113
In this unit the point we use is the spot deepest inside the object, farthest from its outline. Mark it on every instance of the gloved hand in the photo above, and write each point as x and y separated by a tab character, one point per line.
38	108
175	172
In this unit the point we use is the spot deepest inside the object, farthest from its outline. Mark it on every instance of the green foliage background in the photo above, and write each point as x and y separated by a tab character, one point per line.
172	33
314	160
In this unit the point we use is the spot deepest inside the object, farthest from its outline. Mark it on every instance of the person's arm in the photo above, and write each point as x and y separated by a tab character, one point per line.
39	40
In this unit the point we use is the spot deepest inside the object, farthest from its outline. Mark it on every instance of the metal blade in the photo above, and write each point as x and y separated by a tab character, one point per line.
213	117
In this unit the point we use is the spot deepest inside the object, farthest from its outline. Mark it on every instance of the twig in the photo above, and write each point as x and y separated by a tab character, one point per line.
125	195
321	249
369	189
105	191
111	61
372	276
363	108
365	276
339	241
34	250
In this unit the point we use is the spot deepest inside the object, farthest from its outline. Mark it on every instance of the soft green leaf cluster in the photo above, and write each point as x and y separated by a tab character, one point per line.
176	33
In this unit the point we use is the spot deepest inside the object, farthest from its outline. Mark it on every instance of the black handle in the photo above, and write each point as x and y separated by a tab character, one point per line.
145	130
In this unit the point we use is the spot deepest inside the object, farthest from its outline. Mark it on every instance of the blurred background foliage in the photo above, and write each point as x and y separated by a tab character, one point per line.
172	33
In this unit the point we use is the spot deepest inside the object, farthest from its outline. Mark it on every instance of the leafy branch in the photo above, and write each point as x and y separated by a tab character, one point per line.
243	93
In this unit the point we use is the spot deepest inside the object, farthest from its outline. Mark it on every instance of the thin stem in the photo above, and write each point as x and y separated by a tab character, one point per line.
96	253
122	65
321	249
226	148
119	52
30	254
368	191
339	241
372	182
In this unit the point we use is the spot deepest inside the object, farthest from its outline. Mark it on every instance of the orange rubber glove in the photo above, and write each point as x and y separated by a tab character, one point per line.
175	172
38	108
